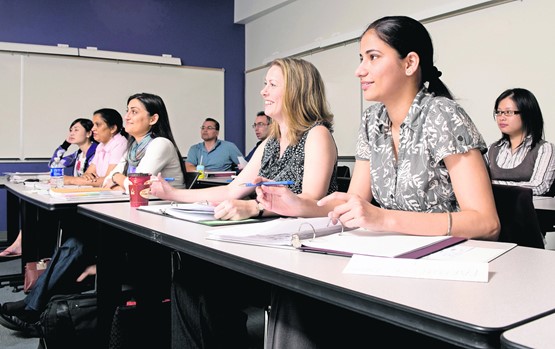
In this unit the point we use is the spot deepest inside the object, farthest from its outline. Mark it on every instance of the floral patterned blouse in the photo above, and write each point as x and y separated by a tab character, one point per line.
418	180
290	166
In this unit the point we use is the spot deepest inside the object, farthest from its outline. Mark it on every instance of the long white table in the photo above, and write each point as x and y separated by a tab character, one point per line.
544	203
537	334
468	314
545	209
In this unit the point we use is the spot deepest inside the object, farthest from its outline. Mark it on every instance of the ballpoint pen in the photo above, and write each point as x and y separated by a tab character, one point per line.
271	183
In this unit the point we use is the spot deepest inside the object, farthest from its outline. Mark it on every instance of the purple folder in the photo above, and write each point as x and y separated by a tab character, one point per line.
414	254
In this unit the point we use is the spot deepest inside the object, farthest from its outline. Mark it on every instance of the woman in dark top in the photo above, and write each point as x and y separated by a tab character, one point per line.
299	148
207	311
521	157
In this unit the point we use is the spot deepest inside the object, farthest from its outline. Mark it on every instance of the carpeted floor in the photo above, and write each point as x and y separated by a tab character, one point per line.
11	339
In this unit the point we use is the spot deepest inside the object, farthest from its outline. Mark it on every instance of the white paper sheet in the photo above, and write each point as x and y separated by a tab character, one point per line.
418	268
464	253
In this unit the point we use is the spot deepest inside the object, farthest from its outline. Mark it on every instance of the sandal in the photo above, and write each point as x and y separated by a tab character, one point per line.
9	254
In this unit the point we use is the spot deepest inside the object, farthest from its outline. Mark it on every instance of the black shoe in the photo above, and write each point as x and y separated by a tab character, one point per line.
13	308
29	316
16	324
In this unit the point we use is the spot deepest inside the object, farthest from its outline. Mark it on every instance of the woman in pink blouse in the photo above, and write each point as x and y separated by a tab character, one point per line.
108	131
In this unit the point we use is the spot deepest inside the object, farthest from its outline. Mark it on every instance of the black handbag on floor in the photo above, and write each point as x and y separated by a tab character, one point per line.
69	320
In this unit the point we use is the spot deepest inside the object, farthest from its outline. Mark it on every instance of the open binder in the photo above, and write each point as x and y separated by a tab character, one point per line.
319	235
280	232
379	244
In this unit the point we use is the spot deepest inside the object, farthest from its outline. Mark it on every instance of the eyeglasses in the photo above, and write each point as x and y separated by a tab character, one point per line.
260	124
507	113
207	128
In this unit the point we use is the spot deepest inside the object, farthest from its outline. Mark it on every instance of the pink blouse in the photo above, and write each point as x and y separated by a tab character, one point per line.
109	154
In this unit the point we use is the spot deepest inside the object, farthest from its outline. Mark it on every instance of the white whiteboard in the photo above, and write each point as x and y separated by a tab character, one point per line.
337	67
481	53
343	92
10	98
45	93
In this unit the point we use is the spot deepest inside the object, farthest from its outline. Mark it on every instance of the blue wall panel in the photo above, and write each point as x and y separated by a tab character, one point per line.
200	32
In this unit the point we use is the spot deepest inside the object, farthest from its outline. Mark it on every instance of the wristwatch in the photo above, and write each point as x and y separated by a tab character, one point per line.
113	181
260	209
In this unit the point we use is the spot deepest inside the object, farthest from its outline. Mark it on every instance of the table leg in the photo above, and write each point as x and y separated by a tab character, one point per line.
12	216
108	280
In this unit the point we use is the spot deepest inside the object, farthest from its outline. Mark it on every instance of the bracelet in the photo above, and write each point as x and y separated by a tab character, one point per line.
113	181
260	209
449	223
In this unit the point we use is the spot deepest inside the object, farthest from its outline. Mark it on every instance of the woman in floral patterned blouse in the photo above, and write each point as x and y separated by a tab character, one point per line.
418	154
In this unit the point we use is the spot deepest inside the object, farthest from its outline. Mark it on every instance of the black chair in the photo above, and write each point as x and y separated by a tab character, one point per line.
551	191
343	183
519	223
343	171
547	217
190	179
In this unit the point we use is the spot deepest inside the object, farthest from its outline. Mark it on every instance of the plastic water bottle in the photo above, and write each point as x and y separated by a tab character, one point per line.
57	174
200	170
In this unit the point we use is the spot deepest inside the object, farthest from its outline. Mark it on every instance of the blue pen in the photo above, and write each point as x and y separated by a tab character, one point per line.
268	183
169	179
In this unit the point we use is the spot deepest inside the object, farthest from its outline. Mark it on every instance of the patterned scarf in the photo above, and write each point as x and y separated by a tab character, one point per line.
137	151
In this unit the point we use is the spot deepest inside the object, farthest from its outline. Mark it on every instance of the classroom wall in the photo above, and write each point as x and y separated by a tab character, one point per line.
481	53
201	33
88	84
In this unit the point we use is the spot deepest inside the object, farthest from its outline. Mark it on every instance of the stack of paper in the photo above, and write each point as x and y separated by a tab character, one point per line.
418	268
20	177
197	212
83	191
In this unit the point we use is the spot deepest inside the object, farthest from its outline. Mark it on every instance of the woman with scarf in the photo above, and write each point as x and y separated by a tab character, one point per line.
151	149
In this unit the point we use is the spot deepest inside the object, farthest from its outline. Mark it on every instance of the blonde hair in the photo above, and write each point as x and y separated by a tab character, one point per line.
304	100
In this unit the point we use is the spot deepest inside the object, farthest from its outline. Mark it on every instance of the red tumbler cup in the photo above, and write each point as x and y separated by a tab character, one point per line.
138	196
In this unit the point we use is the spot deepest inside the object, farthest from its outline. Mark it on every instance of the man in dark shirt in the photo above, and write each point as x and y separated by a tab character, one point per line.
261	128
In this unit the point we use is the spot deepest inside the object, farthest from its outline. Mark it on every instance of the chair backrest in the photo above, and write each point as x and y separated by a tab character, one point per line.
551	191
519	223
343	171
343	183
190	179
